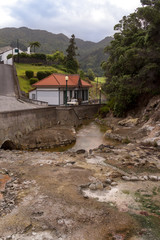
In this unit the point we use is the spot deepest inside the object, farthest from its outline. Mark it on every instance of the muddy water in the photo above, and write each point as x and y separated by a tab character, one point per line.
90	136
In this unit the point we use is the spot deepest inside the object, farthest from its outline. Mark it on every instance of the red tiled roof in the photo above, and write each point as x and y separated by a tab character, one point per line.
58	80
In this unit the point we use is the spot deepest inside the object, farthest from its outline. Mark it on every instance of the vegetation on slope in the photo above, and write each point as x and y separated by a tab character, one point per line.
89	52
133	70
21	73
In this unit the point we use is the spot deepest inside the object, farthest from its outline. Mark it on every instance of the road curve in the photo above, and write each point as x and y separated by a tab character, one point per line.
7	87
8	99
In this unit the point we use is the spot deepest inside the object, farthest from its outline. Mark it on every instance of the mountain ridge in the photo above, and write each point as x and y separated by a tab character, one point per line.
50	42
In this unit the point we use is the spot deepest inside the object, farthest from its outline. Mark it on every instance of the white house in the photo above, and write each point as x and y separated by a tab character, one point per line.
52	89
5	51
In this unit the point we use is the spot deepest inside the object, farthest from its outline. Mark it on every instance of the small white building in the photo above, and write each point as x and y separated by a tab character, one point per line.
52	89
5	51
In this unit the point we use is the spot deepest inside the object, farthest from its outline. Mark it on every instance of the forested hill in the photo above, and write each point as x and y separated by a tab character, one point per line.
91	54
133	66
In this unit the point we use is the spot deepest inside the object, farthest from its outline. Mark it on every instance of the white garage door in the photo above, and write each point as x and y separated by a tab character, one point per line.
52	97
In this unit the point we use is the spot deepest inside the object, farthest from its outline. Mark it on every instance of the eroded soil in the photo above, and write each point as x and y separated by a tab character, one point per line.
108	193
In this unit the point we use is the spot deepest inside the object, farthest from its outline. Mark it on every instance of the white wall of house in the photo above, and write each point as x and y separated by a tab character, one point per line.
49	95
53	96
61	97
3	56
33	95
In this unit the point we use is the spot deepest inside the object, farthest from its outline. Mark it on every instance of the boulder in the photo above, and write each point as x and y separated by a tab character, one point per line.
92	186
80	151
126	178
99	185
153	178
129	122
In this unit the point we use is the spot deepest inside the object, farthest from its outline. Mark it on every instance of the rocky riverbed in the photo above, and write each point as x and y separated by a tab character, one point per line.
110	192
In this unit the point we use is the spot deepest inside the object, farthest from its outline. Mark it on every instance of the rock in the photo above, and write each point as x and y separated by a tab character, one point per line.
153	178
99	185
114	184
96	186
8	237
141	178
129	122
126	178
114	136
145	178
81	151
134	178
108	180
90	151
92	186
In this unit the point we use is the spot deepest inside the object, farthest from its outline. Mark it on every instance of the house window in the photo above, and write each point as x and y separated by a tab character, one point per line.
84	95
70	94
33	96
76	94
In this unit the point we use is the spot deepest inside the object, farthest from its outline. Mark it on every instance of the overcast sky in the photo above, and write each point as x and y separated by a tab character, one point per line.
91	20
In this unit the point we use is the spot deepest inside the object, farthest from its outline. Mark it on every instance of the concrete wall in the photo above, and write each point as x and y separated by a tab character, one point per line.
13	125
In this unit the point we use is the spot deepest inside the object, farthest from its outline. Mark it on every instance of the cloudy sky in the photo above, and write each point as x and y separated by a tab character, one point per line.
88	19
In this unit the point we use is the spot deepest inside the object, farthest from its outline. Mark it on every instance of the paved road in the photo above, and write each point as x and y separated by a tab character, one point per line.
8	100
6	81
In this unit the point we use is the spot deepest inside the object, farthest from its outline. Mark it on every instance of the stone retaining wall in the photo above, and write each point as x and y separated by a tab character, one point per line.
15	124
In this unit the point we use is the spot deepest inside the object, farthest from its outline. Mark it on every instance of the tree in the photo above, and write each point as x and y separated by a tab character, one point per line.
71	61
57	57
34	45
90	74
132	69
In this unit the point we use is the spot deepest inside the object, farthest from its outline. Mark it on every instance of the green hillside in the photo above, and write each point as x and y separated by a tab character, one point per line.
91	54
24	82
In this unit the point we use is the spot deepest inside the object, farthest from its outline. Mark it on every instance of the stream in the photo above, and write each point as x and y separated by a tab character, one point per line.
88	137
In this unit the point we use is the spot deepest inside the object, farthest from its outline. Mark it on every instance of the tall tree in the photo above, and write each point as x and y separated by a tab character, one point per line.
34	45
133	66
71	61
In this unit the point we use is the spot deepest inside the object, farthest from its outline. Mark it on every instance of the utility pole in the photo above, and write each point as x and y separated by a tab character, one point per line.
18	49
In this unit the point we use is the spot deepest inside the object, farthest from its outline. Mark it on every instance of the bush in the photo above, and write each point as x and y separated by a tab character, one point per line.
48	73
103	111
9	56
43	74
24	55
38	56
29	74
33	80
37	64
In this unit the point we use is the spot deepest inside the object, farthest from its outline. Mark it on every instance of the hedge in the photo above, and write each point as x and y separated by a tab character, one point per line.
29	74
33	80
43	74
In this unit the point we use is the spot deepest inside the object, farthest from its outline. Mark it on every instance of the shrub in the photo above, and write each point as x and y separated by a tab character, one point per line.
43	74
33	80
48	73
103	111
29	74
37	64
24	55
38	56
9	56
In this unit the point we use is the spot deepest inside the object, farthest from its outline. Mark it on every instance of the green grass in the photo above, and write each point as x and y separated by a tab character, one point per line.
101	80
23	81
148	203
